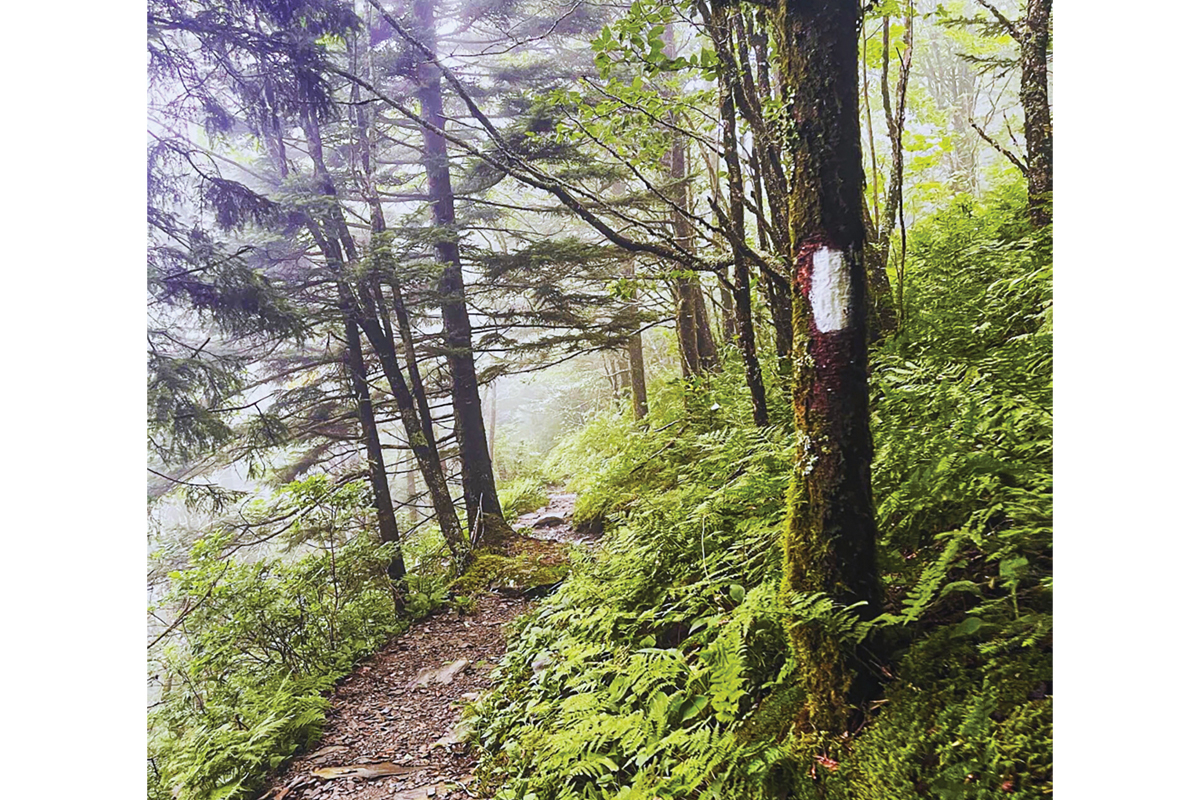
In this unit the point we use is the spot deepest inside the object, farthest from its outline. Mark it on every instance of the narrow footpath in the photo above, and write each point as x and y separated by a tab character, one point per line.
395	729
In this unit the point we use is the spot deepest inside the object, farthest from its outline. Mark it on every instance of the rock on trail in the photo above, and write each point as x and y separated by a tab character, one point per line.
553	521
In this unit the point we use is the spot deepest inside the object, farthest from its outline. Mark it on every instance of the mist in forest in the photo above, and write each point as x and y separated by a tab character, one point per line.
667	385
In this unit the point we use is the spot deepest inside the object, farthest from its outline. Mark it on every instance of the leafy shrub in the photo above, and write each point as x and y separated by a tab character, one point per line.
260	643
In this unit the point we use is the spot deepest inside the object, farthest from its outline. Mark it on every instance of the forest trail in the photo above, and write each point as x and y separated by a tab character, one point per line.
394	728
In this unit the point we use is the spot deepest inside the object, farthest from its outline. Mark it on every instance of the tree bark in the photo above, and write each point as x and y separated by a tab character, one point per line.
829	539
728	315
404	325
385	511
1035	100
479	483
495	397
410	486
637	364
1032	35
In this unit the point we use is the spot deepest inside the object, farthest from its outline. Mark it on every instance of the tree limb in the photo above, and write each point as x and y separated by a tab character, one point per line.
1001	149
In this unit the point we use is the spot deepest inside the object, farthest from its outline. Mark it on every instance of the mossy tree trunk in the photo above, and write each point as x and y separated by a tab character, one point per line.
829	540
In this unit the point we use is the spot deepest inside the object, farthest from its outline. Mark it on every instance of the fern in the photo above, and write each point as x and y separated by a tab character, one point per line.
669	657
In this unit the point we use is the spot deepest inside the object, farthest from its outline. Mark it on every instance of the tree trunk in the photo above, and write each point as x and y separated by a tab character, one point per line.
1035	100
411	491
829	540
420	441
881	306
720	27
728	315
385	511
381	493
338	248
685	331
779	300
774	192
894	114
697	347
479	484
637	364
404	325
494	397
623	377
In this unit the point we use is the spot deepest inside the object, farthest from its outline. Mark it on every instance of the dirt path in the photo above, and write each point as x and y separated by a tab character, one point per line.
394	728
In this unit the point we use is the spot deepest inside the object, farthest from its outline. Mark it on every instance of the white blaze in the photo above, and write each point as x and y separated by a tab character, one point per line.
830	291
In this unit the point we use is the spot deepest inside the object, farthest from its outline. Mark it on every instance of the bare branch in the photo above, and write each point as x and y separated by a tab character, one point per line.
1005	21
1001	149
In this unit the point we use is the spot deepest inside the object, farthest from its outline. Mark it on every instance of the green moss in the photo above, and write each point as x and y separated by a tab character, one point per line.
590	509
497	571
823	672
485	568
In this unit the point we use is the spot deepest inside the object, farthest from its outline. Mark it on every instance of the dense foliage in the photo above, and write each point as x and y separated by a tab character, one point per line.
414	264
661	668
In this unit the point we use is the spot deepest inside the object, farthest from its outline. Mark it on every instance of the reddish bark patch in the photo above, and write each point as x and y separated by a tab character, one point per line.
804	261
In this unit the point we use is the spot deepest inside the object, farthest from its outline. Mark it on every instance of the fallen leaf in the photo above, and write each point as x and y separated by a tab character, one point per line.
325	751
828	763
367	771
442	675
456	735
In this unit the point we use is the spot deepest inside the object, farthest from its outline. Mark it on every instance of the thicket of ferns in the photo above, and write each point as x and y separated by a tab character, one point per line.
387	193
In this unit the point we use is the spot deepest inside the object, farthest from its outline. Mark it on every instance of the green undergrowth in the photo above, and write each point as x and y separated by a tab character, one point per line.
243	679
523	495
267	640
660	669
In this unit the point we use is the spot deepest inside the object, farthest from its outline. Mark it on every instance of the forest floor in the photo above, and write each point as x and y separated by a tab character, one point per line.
394	728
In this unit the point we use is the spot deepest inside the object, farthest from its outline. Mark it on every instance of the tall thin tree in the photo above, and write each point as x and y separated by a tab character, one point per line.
479	483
